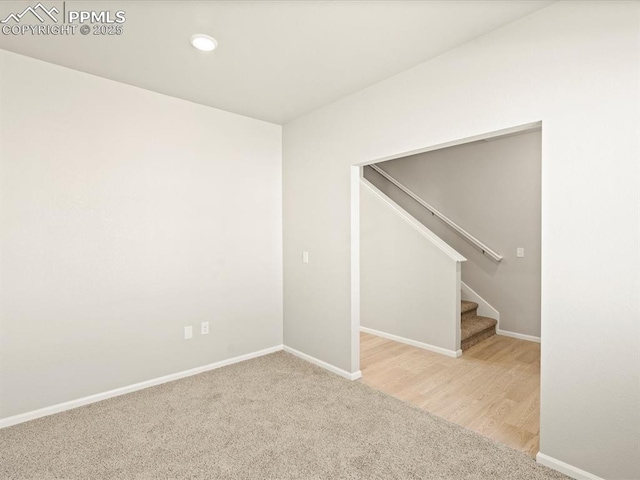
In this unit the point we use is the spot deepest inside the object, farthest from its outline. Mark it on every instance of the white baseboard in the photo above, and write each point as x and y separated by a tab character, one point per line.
61	407
323	364
521	336
413	343
565	468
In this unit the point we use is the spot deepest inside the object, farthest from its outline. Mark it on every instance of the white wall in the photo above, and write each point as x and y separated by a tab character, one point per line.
573	66
410	278
492	190
127	215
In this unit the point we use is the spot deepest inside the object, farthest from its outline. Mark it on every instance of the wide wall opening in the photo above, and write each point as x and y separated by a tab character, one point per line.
449	282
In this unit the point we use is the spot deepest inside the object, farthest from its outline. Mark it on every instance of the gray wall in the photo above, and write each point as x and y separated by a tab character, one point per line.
127	215
492	190
573	66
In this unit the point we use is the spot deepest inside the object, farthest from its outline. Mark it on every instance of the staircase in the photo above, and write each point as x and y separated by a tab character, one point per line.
475	329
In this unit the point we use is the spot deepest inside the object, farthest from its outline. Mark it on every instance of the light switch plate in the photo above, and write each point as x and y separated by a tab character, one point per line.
520	252
305	257
188	332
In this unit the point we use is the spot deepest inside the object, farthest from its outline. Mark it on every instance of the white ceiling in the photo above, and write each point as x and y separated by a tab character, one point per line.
276	60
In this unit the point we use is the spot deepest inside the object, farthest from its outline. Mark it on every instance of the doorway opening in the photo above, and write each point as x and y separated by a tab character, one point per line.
446	261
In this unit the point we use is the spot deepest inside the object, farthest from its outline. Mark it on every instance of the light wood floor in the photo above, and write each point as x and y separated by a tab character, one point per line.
493	389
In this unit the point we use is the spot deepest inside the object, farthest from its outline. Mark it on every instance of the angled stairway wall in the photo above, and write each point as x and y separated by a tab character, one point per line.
410	278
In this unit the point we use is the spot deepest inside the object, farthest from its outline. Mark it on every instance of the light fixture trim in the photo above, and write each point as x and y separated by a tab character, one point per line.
204	42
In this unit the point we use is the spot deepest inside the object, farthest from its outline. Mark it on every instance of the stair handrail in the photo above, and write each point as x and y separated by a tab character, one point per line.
443	218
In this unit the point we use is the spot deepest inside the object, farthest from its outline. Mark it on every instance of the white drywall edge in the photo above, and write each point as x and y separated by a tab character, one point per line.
419	227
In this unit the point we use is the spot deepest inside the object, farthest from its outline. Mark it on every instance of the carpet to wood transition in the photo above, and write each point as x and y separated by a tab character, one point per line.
274	417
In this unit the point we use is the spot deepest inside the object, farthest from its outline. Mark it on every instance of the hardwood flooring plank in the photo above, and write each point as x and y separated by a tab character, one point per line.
493	389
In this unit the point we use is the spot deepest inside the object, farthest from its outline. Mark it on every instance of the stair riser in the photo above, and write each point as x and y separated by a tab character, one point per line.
477	338
469	314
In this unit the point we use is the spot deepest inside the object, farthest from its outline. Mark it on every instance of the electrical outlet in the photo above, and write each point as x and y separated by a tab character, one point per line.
188	332
204	328
520	252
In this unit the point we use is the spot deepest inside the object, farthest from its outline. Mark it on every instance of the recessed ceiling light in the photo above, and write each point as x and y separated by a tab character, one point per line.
203	42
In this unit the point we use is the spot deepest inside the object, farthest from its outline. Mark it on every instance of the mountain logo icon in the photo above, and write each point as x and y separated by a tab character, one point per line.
39	11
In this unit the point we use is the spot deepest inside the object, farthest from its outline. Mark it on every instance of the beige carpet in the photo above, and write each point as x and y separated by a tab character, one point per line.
473	327
275	417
